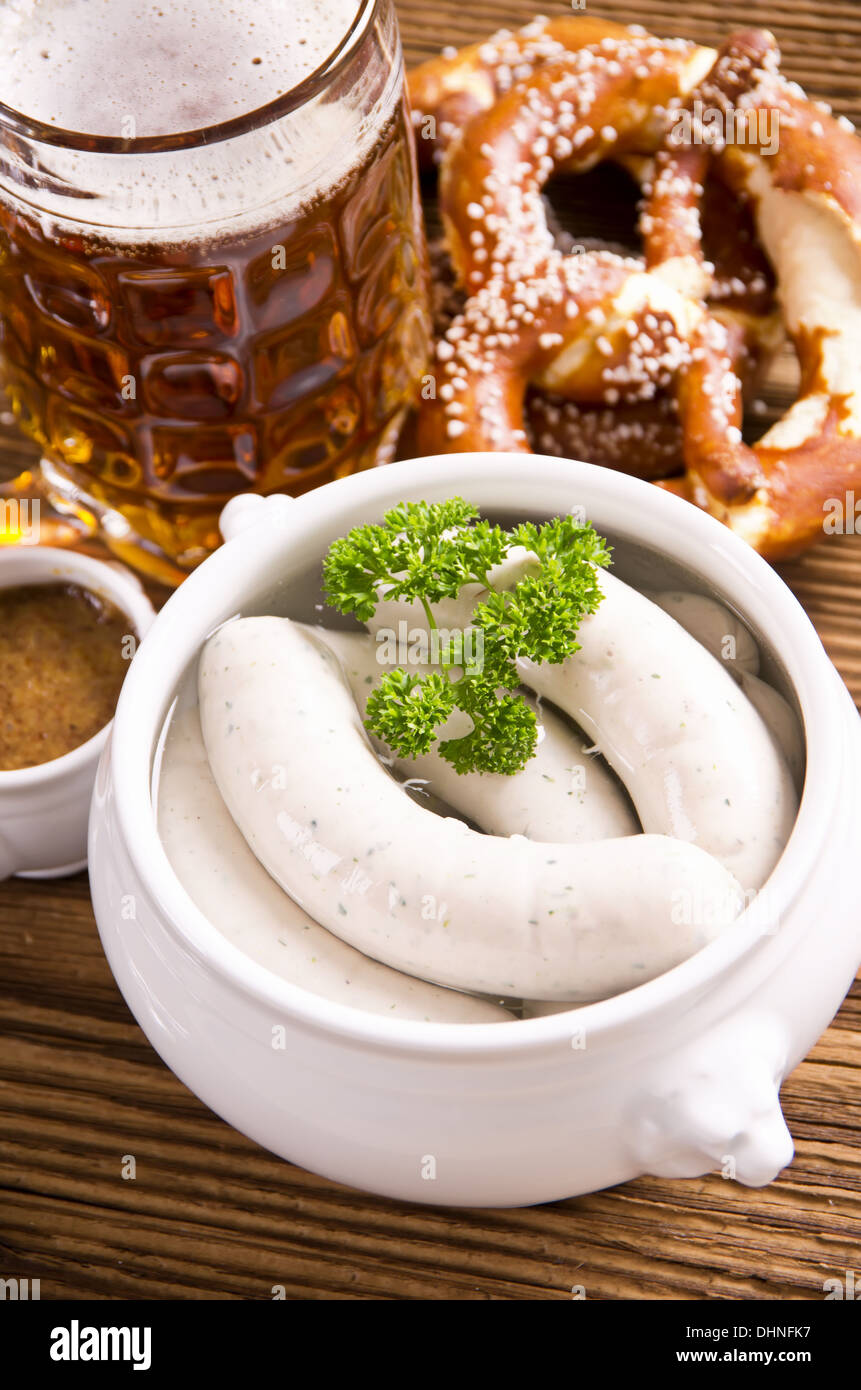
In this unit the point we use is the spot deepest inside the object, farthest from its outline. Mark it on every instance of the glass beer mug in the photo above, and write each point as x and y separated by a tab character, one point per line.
212	268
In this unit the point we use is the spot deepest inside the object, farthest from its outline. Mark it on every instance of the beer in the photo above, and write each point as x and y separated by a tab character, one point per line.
219	284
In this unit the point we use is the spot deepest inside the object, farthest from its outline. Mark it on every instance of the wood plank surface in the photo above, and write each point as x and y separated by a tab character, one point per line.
212	1216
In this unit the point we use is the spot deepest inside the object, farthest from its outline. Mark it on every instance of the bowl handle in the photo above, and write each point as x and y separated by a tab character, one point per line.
248	509
717	1106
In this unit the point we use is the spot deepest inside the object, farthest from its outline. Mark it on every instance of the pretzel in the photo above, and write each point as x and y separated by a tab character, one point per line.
806	197
645	437
570	115
632	326
510	332
446	92
602	98
807	210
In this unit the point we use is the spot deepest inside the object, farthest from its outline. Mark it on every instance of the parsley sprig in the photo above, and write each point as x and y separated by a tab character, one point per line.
426	552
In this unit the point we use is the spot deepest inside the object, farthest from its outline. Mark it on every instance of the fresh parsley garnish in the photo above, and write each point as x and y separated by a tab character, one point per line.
426	552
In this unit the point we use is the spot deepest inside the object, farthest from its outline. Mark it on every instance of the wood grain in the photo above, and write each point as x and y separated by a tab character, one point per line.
212	1216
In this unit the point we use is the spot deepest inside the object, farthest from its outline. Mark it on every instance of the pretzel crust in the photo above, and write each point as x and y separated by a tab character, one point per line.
532	318
604	330
446	92
806	198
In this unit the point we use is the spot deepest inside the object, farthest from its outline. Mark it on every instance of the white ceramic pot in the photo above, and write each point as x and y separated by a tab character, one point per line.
675	1078
44	810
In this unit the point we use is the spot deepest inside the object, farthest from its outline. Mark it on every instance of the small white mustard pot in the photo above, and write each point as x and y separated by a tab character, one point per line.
44	809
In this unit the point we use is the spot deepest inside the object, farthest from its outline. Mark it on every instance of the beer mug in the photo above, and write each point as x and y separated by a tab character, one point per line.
213	276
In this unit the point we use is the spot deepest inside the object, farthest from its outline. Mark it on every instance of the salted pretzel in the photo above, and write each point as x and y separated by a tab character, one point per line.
807	207
604	98
569	115
538	317
511	330
645	437
446	92
806	198
639	435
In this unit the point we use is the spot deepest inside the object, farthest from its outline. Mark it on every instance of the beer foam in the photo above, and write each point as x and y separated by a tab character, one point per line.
103	66
177	66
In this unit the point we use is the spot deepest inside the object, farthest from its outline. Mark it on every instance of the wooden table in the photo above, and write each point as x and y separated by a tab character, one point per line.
210	1215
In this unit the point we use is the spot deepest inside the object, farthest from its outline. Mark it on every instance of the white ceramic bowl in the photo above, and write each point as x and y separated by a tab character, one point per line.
675	1078
44	809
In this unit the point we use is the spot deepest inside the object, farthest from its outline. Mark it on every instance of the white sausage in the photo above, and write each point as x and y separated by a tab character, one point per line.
427	895
694	754
781	721
561	794
710	622
221	875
